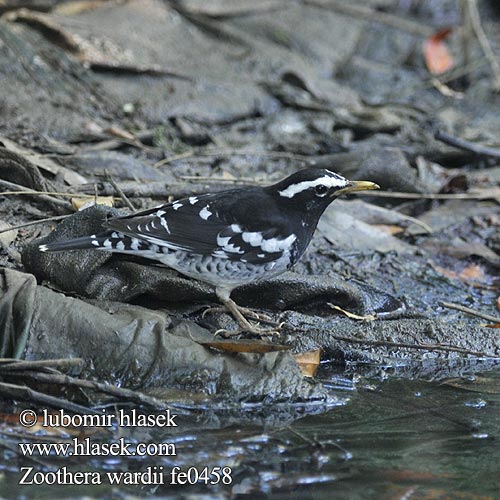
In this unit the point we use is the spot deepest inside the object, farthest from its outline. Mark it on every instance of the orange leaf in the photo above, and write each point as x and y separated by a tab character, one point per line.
498	302
494	325
308	362
436	55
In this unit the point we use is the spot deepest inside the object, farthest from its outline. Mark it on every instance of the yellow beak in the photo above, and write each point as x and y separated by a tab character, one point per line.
357	186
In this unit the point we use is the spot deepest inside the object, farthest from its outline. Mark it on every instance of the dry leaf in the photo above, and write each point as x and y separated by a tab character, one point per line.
255	346
9	236
90	201
121	133
494	325
473	272
436	55
498	302
368	317
308	362
389	229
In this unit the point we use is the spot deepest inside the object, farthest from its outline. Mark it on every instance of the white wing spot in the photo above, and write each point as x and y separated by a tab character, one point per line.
120	245
254	239
95	243
193	200
164	223
205	213
176	205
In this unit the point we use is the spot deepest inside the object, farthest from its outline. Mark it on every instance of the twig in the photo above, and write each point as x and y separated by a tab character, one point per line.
12	364
478	149
386	343
24	393
39	194
118	392
365	12
468	310
35	222
239	180
233	152
119	191
482	195
483	41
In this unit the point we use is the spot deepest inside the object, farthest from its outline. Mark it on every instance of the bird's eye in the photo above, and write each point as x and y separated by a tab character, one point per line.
321	190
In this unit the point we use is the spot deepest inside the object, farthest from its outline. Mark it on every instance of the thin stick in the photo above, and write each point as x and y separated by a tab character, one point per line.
24	393
119	191
234	152
35	222
118	392
478	149
483	41
12	364
365	12
468	310
386	343
39	194
486	195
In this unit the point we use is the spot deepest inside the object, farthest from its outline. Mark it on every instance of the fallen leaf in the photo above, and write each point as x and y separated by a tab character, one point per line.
368	317
9	236
498	302
308	362
389	229
121	133
90	201
255	346
472	272
494	325
436	55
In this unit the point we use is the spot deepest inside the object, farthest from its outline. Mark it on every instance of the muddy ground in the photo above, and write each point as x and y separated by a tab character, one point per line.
156	100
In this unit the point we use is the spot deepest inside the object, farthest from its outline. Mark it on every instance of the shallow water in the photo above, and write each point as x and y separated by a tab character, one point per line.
392	438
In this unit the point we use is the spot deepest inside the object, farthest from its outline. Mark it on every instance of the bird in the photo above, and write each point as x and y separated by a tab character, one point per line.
229	238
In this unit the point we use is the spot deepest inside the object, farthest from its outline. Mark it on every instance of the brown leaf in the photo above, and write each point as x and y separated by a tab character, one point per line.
368	317
436	55
389	229
308	362
473	272
494	325
255	346
498	302
90	201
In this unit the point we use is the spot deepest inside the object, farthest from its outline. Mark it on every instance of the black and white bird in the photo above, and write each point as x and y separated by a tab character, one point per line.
229	238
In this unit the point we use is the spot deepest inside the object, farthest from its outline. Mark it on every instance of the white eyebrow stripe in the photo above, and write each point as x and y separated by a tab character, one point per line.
326	180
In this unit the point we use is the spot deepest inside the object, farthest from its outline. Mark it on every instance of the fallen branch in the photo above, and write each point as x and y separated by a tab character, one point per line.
24	393
11	364
478	149
468	310
403	345
475	21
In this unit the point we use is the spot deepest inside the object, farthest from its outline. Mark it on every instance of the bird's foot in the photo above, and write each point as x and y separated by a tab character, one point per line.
246	312
252	329
240	314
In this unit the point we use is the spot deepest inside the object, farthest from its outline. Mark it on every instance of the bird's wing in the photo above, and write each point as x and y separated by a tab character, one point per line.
205	225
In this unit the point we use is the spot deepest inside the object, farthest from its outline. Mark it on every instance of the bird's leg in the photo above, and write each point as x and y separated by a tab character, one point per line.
238	313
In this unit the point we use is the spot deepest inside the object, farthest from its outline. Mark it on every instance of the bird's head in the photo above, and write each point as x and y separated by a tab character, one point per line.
313	189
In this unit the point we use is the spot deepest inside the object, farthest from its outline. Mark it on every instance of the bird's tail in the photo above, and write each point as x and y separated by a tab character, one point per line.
93	241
